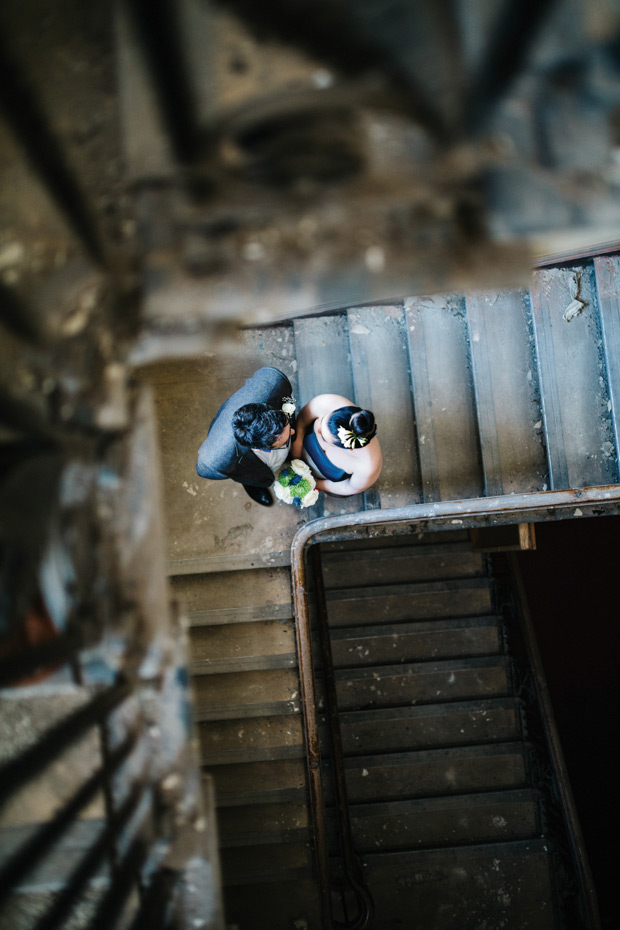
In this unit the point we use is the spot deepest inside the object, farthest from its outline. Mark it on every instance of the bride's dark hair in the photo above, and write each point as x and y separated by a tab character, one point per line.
360	423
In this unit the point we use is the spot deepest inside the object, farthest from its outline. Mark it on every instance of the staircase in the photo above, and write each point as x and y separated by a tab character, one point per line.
474	395
446	810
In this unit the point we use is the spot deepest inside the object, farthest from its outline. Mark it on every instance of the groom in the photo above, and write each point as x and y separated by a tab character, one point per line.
250	437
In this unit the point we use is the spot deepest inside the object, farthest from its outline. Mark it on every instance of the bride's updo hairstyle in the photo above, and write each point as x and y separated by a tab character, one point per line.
351	427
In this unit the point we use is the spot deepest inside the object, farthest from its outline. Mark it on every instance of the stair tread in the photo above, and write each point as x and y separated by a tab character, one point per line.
424	587
394	643
483	799
250	865
268	796
429	726
246	688
377	334
507	397
423	601
405	564
263	644
456	770
260	754
207	713
573	381
429	667
229	615
416	626
235	596
495	881
229	664
324	367
422	682
263	734
258	781
446	821
444	398
607	272
261	824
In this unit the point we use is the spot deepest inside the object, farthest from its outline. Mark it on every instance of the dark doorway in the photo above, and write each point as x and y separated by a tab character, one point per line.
573	587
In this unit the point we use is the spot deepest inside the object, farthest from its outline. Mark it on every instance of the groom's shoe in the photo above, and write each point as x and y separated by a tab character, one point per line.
260	495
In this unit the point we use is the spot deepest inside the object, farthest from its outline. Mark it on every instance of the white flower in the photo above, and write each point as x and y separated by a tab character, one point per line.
310	498
288	406
282	492
301	468
346	437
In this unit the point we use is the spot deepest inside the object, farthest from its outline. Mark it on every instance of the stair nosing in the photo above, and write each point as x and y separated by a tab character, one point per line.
201	667
224	616
212	713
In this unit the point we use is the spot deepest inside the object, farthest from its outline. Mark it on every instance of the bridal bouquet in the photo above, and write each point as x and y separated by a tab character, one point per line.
295	484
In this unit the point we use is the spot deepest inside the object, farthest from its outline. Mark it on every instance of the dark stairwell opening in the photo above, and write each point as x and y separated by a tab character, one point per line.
573	590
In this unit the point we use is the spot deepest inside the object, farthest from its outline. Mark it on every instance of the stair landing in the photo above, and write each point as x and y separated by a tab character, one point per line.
214	525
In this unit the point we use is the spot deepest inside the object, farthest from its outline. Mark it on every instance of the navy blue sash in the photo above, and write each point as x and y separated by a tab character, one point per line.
314	450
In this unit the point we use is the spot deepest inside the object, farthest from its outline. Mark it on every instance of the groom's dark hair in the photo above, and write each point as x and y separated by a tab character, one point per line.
258	425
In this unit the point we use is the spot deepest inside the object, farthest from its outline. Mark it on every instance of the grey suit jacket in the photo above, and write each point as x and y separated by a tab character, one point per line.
220	455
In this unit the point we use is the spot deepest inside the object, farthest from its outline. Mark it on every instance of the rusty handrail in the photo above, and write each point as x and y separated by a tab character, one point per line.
353	879
529	507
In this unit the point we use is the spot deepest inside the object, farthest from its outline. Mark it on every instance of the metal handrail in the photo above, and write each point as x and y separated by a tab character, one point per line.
529	507
361	920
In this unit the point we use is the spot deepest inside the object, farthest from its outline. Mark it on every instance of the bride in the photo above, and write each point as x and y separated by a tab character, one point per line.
338	442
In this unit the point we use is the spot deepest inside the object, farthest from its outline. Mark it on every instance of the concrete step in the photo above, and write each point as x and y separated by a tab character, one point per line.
260	782
244	692
506	885
507	395
574	389
251	739
443	393
242	647
404	729
399	565
259	864
607	275
422	683
263	824
393	776
382	384
489	817
293	902
234	597
410	642
392	603
324	367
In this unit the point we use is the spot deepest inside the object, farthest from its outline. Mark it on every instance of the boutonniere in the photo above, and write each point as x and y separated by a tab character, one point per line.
288	406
